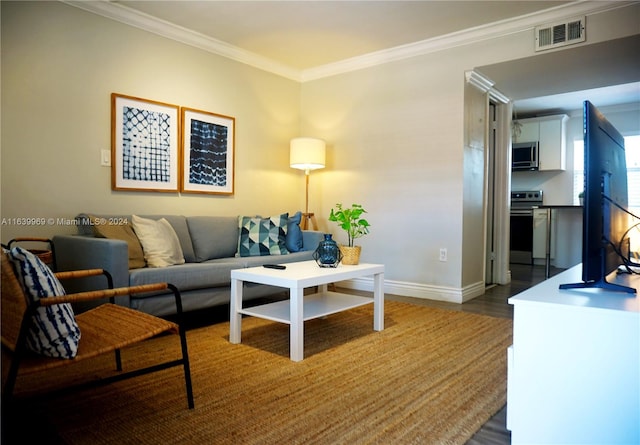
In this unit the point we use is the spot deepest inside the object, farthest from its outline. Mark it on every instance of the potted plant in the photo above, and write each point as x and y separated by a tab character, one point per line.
351	221
581	198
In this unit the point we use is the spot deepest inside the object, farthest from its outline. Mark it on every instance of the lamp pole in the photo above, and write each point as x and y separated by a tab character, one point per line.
306	207
306	216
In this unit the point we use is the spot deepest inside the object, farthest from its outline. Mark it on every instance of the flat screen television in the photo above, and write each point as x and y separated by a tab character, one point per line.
605	221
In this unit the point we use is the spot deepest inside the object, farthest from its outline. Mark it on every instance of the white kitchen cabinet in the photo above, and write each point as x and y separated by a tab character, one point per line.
529	131
550	132
552	143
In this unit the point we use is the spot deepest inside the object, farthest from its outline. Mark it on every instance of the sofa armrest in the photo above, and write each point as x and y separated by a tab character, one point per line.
311	239
75	252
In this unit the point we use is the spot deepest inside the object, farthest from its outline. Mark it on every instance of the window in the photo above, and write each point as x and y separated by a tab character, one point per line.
632	149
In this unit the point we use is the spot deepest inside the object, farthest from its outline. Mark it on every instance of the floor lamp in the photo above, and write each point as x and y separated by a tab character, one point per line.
307	154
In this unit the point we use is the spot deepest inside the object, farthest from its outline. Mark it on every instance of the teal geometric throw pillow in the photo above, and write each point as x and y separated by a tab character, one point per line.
54	331
263	236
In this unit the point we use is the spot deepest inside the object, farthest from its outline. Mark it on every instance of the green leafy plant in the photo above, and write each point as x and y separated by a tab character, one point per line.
349	219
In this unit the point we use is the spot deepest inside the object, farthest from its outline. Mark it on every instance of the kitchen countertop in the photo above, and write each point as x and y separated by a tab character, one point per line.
558	207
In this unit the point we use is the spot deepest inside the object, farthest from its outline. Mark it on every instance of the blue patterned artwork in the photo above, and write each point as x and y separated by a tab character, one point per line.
208	153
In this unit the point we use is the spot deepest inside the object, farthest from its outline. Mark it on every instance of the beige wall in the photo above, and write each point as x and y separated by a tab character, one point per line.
396	143
59	68
395	136
397	147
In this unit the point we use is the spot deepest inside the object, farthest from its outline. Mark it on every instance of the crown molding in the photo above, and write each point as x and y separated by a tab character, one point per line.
502	28
146	22
465	37
479	80
498	96
484	84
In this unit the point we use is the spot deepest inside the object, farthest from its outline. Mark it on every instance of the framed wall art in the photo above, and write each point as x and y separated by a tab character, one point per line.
208	152
145	138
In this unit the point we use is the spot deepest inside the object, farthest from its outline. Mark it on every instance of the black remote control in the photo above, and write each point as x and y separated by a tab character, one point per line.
275	266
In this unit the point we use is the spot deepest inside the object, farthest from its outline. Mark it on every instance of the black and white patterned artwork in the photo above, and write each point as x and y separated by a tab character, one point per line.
146	145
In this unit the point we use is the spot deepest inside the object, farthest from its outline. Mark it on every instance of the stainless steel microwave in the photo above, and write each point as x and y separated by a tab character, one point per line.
524	156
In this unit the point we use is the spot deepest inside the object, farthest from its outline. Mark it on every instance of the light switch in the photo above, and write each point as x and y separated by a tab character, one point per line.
105	158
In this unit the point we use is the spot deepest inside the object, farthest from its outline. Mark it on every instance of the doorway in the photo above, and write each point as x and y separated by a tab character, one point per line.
489	278
498	186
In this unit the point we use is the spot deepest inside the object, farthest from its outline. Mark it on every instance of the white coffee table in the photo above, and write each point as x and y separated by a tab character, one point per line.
298	309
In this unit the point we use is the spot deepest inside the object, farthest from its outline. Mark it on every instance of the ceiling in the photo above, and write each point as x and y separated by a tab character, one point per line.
303	36
628	93
606	73
307	34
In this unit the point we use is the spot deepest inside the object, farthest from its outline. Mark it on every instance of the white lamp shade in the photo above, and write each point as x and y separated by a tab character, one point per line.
307	153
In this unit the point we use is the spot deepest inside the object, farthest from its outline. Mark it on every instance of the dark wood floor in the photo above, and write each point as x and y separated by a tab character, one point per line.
495	300
493	303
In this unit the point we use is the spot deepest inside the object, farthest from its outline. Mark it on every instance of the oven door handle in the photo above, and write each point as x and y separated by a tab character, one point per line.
521	212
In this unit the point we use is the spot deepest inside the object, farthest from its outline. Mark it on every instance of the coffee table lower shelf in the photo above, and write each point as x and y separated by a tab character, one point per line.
299	307
315	306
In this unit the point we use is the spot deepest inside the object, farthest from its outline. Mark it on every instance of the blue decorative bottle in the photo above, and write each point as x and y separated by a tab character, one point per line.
328	253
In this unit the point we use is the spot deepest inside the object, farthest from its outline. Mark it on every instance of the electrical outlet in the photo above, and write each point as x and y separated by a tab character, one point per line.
443	254
105	158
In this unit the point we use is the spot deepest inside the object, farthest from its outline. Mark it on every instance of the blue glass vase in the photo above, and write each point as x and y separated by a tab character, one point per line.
327	253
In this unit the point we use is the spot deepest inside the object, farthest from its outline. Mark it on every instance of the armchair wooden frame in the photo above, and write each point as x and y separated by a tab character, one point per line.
104	329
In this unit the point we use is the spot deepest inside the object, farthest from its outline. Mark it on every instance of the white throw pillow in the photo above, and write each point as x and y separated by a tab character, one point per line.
159	241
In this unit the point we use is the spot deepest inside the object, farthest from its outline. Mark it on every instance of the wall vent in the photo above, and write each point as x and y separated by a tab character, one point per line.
554	35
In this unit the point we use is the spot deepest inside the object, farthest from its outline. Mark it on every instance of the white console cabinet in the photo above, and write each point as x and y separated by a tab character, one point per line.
550	132
574	366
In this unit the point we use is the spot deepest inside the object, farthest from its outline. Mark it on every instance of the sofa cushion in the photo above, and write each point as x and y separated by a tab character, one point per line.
159	241
53	331
188	276
213	236
178	222
120	228
262	236
294	233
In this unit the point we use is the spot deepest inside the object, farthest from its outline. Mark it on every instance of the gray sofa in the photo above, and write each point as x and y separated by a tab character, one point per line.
209	245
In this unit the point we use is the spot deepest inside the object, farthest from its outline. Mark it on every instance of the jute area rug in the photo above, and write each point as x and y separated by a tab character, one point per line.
431	377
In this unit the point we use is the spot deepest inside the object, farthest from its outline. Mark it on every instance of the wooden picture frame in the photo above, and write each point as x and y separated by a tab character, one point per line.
207	152
145	138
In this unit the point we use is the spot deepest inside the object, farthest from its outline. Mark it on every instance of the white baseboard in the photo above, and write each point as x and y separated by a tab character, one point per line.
417	290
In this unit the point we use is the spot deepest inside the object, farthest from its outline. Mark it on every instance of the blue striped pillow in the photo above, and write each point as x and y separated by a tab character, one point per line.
54	331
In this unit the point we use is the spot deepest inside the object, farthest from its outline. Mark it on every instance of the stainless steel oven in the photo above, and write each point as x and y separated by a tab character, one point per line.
521	220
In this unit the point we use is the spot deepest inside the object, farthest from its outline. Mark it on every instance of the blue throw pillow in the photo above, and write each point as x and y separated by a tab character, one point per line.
294	233
262	236
54	331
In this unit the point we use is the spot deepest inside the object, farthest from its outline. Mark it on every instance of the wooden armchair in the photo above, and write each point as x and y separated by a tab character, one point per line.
104	329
